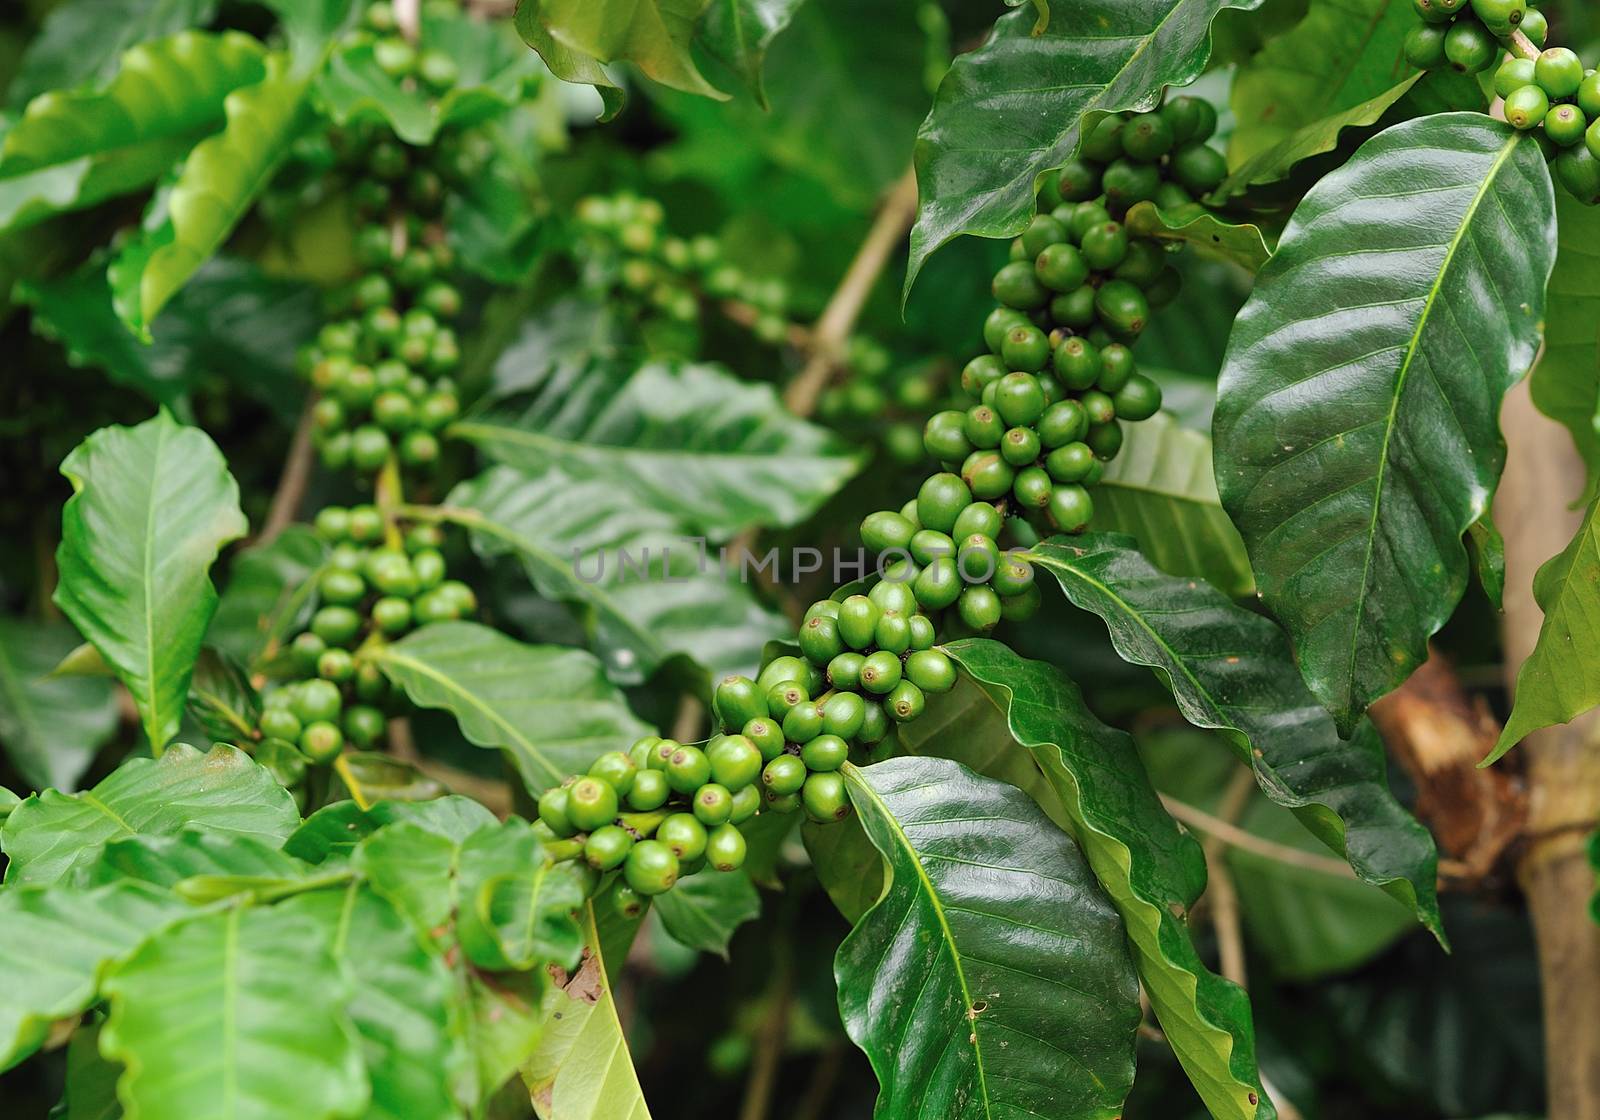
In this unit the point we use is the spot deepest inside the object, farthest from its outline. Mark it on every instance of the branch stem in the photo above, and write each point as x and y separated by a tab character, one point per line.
839	317
294	480
1236	837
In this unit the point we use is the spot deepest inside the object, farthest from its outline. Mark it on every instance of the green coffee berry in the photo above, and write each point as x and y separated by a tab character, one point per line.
726	848
783	775
687	769
607	847
651	867
648	791
824	798
1559	72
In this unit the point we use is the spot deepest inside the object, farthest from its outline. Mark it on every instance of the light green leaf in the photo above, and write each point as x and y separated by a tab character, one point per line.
1356	428
517	908
219	182
1566	382
1160	490
1558	682
584	542
1239	243
492	70
738	33
1003	116
52	835
717	453
81	933
74	149
418	871
1231	669
402	1004
50	727
652	34
564	62
373	776
581	1069
151	507
1314	138
333	832
82	41
550	708
270	595
993	976
210	1016
209	857
705	909
1153	872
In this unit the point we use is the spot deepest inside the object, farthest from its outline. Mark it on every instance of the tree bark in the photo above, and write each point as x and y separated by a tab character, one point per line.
1543	476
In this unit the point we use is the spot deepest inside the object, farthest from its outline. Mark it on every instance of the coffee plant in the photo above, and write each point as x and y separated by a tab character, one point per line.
506	614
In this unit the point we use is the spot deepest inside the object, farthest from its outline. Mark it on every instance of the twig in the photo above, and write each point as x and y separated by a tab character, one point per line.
294	480
1521	46
1220	891
746	314
1237	837
824	1076
408	18
838	319
771	1041
402	744
1438	733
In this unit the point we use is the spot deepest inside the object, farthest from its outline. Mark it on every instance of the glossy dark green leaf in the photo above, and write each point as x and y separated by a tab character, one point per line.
492	70
1213	234
647	592
231	321
550	708
993	977
50	726
270	595
209	1016
1153	872
705	909
1160	490
82	41
1356	428
216	187
151	507
52	835
373	776
1557	682
654	35
1566	382
581	1069
72	150
1231	669
1341	54
738	33
401	1003
717	453
847	865
1004	114
80	933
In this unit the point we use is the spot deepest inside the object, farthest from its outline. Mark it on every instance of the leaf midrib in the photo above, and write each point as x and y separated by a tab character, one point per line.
854	775
449	684
1412	347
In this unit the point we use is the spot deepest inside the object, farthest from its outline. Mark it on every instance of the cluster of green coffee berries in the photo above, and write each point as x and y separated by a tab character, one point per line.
1058	380
628	253
1127	158
377	585
383	363
873	396
1050	396
431	70
1550	95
